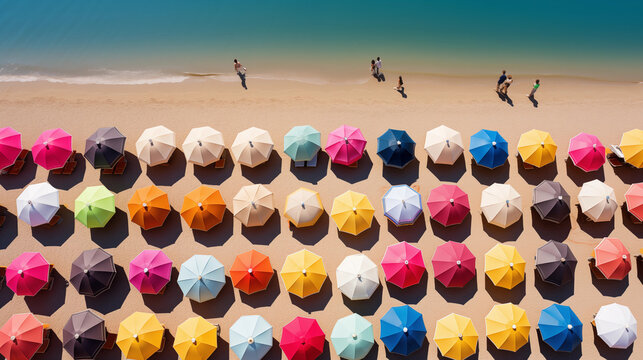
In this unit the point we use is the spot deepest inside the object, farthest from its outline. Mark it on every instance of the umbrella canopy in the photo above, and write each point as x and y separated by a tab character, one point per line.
402	205
345	145
253	205
587	152
201	278
303	207
507	327
149	207
537	148
453	264
504	266
84	335
597	201
444	145
456	337
196	339
105	147
612	259
555	263
150	271
139	336
156	145
52	149
20	337
352	337
302	143
396	148
402	330
92	272
352	212
251	337
203	208
489	149
560	328
251	272
634	200
94	206
551	201
10	146
616	325
632	147
448	204
37	204
252	147
302	339
27	274
357	277
403	264
501	205
203	146
303	273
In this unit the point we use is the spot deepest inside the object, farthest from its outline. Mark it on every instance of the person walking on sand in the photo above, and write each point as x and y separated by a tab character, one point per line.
501	80
378	65
238	68
533	90
400	84
506	84
373	71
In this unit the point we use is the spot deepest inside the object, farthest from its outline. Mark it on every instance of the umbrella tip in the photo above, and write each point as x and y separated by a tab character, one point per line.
303	206
250	143
199	142
146	270
563	259
607	198
200	277
594	146
85	271
303	271
76	336
20	272
406	262
354	336
624	257
460	336
511	265
200	205
514	326
569	326
151	141
452	201
249	270
399	143
458	262
193	340
560	198
507	201
253	204
251	340
542	143
145	206
493	143
135	336
13	338
448	143
354	209
405	329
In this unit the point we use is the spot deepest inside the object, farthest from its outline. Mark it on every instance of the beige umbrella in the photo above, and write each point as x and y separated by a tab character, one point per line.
501	205
597	201
303	207
203	146
156	145
253	205
444	145
252	147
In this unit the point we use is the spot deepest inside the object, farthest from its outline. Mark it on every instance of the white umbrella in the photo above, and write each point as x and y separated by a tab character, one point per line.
444	145
37	204
253	205
303	207
250	337
616	325
357	277
501	205
156	145
203	146
597	201
252	147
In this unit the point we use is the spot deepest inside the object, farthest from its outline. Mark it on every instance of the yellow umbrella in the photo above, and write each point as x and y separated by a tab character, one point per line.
456	337
196	339
303	273
507	327
352	212
537	148
632	147
303	207
504	266
140	335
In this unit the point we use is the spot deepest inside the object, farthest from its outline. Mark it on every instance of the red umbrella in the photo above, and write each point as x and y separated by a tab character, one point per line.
28	273
302	339
448	204
251	272
20	337
612	259
403	264
454	264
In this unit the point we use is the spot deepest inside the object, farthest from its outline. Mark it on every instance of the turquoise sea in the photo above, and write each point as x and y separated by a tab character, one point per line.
142	41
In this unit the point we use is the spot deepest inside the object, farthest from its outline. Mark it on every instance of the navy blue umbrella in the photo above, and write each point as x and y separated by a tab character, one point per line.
396	148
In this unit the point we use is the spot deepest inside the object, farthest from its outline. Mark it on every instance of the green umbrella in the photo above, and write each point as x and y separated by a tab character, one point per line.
302	143
352	337
94	206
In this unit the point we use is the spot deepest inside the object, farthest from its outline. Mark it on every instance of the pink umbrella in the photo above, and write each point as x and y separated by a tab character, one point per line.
150	271
27	274
587	152
345	145
52	149
448	204
454	264
634	200
403	264
10	146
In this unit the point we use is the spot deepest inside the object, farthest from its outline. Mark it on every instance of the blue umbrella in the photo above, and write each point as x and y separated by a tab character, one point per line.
251	337
402	330
489	149
560	328
201	278
396	148
402	205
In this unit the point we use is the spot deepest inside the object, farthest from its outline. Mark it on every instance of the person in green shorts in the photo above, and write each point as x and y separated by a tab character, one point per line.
533	90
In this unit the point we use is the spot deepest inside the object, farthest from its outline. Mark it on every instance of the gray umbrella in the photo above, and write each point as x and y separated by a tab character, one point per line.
555	263
84	335
104	147
551	201
92	272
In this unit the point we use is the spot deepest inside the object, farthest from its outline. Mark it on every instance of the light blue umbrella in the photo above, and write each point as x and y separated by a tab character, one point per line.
352	337
302	143
402	330
402	205
560	328
201	278
489	149
251	337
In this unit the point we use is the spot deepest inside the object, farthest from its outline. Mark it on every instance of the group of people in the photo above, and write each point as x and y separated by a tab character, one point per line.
504	81
376	69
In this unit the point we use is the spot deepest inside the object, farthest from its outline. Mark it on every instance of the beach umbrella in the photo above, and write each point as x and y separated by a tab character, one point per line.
345	145
444	145
302	143
251	337
456	337
156	145
92	272
303	207
251	272
632	147
10	146
352	337
597	201
489	149
203	146
616	325
402	205
201	278
148	207
37	204
150	271
454	264
139	336
504	266
94	206
402	330
501	205
84	335
252	147
105	147
357	277
507	327
612	259
27	274
634	200
560	328
537	148
551	201
352	212
555	263
448	204
303	273
203	208
253	205
52	149
302	339
586	152
20	337
396	148
403	264
196	339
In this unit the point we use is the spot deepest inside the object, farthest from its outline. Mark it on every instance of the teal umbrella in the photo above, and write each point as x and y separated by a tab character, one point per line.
302	143
250	337
352	337
201	278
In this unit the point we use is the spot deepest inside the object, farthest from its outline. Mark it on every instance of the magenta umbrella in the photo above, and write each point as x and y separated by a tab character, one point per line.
403	264
10	146
52	149
587	152
345	145
150	271
453	264
27	274
448	204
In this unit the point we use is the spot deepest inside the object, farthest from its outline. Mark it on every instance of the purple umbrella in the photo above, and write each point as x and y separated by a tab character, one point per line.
84	335
555	263
92	272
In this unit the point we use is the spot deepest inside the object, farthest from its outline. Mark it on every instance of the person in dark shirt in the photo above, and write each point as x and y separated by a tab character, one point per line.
501	80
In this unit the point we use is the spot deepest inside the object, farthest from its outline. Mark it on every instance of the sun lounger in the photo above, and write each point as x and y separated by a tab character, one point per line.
353	165
312	162
300	164
615	156
219	164
110	340
54	220
46	336
3	218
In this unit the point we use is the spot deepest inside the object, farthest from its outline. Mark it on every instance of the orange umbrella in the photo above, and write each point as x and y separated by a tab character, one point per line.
149	207
203	208
251	272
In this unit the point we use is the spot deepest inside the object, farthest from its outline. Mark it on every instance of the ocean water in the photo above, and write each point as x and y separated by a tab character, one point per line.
138	42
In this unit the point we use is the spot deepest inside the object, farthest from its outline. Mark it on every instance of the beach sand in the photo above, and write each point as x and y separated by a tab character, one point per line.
566	106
